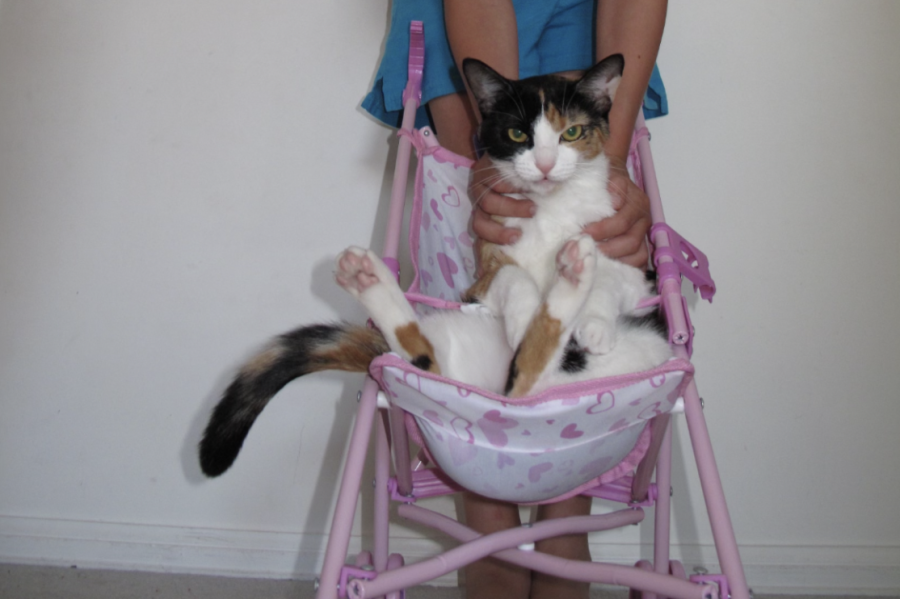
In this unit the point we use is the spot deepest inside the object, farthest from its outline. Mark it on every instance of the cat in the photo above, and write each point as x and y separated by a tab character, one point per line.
555	309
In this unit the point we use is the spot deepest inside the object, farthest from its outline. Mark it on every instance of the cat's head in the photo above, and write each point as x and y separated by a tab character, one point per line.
543	131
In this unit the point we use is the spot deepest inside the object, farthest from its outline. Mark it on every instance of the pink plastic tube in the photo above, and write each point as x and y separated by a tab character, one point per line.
382	499
398	189
713	494
411	99
342	521
720	522
662	513
501	545
670	290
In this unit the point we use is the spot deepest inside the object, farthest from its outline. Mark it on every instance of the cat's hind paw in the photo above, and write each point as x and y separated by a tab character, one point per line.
359	269
596	335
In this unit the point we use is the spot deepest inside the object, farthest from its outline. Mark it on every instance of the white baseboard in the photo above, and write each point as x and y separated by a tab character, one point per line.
264	554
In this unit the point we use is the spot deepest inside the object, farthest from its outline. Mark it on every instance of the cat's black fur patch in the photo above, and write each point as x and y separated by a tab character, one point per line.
574	357
513	374
294	354
422	362
521	110
654	321
517	104
247	395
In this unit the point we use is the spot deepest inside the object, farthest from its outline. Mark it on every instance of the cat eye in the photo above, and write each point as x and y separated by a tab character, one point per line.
517	135
572	133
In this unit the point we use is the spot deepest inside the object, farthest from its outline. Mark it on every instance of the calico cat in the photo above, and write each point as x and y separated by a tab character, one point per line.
555	309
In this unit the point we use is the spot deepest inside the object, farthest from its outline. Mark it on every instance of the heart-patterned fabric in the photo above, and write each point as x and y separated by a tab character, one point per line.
439	235
528	450
533	449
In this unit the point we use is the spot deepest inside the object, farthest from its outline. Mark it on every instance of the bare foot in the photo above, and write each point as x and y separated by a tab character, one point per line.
574	547
491	578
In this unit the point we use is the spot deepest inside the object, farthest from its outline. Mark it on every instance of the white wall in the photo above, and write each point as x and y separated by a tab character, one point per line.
176	176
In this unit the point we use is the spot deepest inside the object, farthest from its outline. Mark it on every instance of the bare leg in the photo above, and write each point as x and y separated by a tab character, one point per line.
483	29
491	578
544	586
486	30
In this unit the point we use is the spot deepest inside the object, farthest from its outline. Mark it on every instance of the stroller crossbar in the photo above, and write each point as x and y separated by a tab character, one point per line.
429	482
505	546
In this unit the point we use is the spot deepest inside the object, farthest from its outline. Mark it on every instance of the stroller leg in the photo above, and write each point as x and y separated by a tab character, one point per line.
662	513
711	483
342	521
382	496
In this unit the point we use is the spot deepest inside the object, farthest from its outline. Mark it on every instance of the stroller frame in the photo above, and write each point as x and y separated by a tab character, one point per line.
380	573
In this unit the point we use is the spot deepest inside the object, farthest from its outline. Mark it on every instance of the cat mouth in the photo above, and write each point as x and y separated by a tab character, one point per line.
544	185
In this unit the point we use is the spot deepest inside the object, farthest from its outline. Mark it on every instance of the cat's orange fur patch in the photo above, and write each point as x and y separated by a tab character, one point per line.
591	143
555	118
537	349
353	352
262	361
418	347
491	260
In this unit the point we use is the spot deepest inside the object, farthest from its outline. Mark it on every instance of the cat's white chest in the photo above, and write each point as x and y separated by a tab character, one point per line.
541	240
560	216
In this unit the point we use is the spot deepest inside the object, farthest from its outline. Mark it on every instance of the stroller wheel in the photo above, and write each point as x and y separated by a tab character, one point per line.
395	560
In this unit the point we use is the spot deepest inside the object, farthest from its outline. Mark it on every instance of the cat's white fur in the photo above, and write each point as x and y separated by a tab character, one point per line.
556	264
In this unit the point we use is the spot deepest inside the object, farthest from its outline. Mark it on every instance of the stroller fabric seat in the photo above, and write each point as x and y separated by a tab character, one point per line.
539	448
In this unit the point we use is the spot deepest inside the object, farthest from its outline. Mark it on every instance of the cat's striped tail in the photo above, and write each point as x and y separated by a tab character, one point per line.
294	354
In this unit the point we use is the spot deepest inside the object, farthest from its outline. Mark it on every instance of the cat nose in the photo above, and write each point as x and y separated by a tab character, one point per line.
545	166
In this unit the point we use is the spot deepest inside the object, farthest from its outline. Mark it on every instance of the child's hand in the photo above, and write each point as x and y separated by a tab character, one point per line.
623	236
486	190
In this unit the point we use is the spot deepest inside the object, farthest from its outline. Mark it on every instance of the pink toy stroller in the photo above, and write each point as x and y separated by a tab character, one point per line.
602	438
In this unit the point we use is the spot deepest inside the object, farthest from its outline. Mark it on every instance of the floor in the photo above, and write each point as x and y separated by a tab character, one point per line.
34	582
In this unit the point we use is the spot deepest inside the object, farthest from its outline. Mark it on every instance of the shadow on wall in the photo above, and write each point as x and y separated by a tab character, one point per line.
327	483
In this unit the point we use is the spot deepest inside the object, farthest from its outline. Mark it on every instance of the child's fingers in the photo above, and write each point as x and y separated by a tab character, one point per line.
630	249
488	229
501	205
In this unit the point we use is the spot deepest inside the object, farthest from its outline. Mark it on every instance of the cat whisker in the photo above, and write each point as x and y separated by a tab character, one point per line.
501	178
489	182
495	178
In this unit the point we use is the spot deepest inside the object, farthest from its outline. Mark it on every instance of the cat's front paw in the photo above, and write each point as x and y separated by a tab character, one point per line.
596	335
576	265
576	260
359	269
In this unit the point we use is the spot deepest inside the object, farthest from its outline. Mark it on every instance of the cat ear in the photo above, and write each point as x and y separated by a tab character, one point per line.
601	81
486	83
